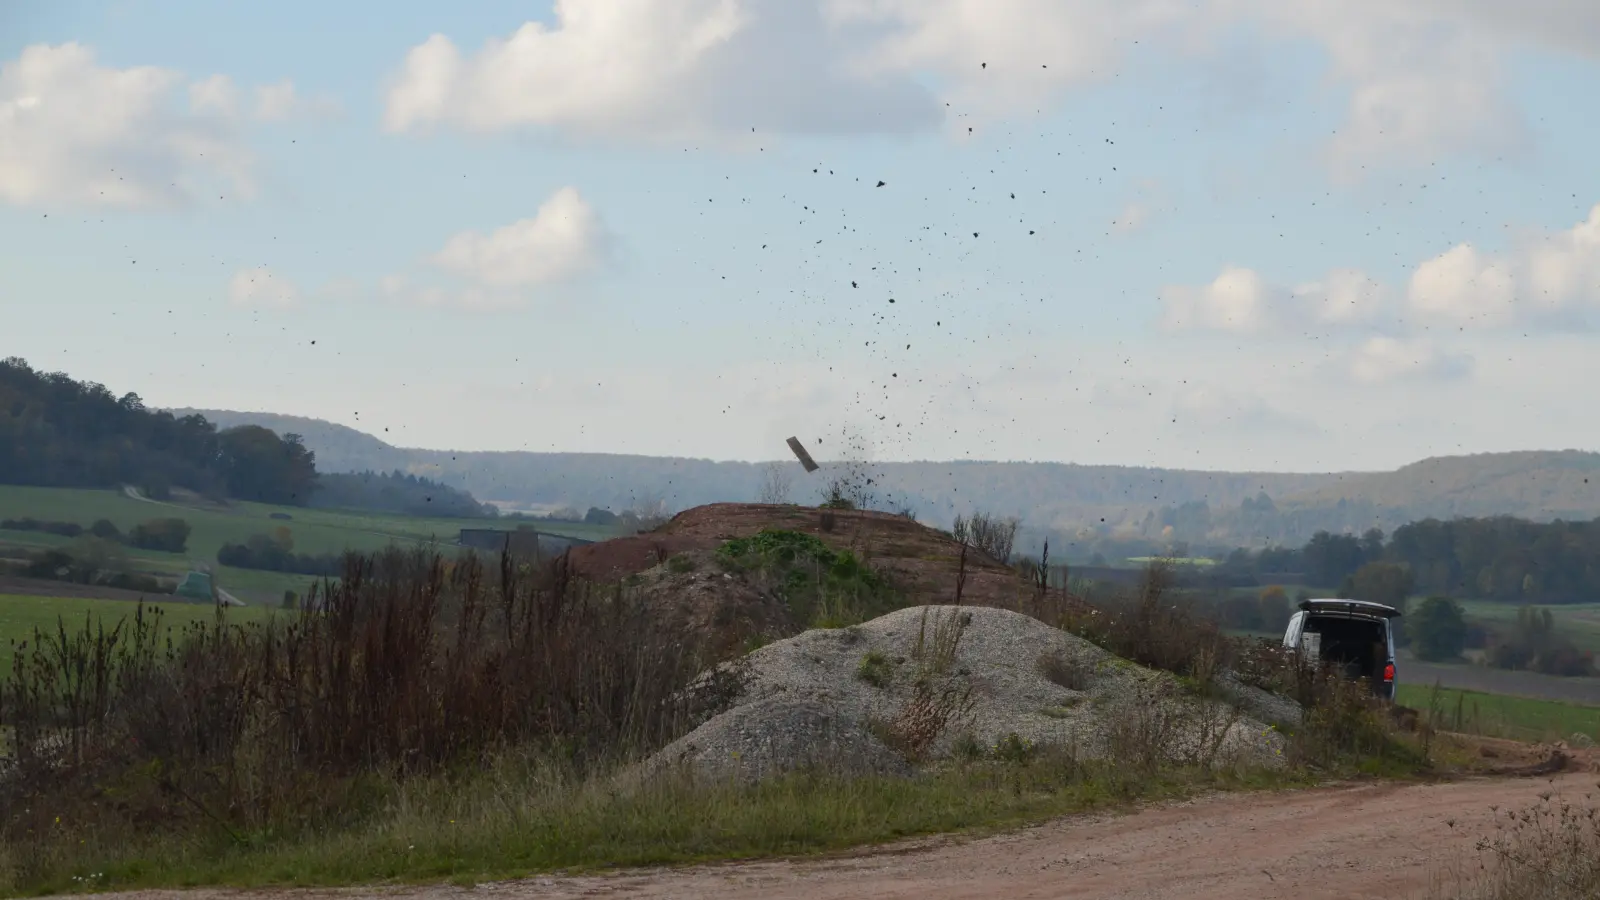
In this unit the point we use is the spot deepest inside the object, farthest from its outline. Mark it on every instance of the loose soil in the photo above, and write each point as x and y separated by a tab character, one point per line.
1380	840
920	561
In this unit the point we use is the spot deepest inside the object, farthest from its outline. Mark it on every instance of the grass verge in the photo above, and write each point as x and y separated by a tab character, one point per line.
522	817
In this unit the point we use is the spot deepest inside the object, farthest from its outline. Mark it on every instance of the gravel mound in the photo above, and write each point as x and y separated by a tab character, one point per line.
835	696
777	735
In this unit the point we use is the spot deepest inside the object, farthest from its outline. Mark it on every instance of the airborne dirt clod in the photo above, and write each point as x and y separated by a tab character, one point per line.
846	697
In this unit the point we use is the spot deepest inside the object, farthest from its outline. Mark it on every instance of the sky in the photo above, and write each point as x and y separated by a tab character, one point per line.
1325	235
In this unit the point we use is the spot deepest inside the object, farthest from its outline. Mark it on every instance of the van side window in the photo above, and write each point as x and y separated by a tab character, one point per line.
1297	622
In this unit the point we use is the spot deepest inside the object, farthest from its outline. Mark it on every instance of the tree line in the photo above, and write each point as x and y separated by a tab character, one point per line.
1501	558
396	492
59	432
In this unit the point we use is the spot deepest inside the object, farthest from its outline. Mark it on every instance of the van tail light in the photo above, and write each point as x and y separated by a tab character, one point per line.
1388	672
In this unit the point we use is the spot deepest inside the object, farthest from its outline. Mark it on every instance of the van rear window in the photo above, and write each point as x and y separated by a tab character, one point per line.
1345	628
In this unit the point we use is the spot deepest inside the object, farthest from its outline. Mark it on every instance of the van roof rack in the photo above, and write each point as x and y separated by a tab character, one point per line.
1351	608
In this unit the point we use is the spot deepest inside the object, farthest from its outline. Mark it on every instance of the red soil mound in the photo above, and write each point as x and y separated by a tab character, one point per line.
923	562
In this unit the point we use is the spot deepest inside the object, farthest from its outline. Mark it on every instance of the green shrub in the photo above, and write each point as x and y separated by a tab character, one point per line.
875	669
1015	749
822	587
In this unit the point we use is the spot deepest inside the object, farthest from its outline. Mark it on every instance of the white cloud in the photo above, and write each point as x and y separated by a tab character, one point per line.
1381	360
1423	78
1238	301
1132	217
261	288
282	102
562	242
656	69
1206	408
1551	280
1344	297
1563	270
1463	287
77	132
216	95
1242	301
1007	56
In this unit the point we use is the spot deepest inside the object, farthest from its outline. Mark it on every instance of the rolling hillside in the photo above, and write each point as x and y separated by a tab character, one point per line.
1536	485
1060	499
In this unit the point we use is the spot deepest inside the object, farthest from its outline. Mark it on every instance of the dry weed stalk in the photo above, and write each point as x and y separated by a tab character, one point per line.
927	714
936	659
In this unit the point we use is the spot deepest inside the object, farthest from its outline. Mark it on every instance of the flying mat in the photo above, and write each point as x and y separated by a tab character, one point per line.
801	454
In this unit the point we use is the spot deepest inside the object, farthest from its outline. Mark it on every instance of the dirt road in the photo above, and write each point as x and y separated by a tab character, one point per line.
1372	840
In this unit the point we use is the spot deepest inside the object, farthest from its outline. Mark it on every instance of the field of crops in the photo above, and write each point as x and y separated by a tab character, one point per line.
21	616
1500	715
314	531
1578	621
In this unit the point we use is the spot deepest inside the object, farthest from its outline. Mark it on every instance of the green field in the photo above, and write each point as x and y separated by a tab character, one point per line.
315	531
1499	715
1578	621
20	616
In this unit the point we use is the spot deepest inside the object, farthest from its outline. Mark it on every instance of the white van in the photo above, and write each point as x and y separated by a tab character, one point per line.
1356	635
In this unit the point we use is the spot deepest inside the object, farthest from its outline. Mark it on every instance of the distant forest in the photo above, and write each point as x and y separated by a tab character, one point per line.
59	432
396	492
1501	558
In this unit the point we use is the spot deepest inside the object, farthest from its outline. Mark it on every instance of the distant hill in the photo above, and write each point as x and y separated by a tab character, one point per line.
1083	505
1541	485
338	448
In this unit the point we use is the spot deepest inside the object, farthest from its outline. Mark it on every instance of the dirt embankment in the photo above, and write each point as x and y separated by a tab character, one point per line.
921	561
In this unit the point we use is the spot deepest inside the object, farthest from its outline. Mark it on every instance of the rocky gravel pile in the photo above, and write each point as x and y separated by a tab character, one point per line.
860	700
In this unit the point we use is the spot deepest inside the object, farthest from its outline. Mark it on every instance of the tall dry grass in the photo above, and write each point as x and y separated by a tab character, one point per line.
1547	851
411	666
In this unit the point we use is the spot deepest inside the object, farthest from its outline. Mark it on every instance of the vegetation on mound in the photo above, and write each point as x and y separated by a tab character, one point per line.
821	586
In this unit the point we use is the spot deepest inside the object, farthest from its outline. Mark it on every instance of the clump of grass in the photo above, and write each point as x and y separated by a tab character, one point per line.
680	564
1015	749
935	651
1065	670
966	747
875	669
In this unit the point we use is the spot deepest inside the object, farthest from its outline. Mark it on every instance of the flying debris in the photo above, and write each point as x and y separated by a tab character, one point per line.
801	454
